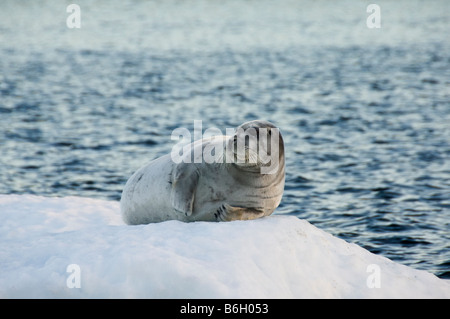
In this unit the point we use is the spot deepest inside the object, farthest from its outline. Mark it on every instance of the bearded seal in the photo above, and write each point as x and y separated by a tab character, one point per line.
245	180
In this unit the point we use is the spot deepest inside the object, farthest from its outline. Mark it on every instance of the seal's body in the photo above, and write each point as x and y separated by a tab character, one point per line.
230	188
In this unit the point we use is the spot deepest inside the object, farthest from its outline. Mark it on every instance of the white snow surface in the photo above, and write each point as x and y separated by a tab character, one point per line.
272	257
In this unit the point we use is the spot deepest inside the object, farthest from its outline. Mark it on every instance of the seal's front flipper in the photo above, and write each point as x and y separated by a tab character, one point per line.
228	213
184	184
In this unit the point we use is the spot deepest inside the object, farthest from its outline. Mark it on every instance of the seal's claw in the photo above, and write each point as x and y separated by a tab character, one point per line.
229	213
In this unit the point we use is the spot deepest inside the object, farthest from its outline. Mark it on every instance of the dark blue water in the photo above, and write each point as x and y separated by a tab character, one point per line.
365	113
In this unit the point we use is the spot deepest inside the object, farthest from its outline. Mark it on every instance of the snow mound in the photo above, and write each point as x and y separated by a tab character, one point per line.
272	257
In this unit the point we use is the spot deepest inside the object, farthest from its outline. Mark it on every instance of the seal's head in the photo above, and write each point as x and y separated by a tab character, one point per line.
257	145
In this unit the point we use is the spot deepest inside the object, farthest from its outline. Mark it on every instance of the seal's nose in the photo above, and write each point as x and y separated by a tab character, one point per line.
257	130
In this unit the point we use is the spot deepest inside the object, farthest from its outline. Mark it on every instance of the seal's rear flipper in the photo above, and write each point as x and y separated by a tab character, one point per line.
228	213
184	184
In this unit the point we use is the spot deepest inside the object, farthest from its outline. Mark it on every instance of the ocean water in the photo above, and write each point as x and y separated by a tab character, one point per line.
365	113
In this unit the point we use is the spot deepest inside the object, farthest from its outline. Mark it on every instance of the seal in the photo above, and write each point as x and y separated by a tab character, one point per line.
245	180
